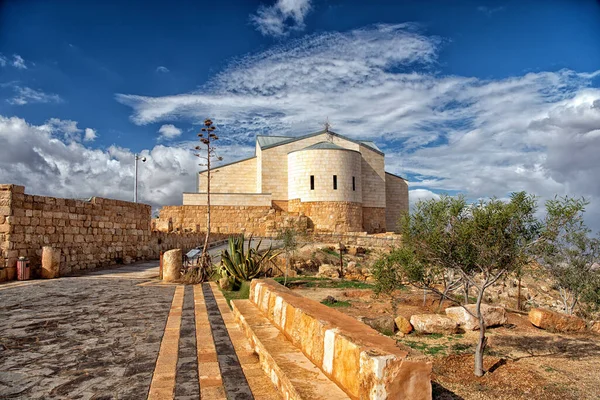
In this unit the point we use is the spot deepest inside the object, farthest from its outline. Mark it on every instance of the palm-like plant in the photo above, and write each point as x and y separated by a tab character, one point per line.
241	264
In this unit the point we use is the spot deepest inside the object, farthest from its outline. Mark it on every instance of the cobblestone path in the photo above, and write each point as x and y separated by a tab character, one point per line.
99	336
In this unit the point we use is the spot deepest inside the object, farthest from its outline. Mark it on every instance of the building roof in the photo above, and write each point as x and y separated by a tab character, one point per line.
266	142
324	146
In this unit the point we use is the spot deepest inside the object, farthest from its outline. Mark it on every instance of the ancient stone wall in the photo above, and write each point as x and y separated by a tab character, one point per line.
260	221
327	216
373	220
237	177
396	198
359	239
90	234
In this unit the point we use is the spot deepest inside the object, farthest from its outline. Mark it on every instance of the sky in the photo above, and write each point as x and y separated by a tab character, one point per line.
482	98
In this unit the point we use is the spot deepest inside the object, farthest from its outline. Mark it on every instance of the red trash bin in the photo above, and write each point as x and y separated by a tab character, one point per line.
23	269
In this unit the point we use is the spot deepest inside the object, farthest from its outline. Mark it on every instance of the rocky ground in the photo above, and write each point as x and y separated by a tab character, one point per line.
523	361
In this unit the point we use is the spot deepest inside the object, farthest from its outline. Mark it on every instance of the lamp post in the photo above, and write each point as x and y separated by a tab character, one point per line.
137	157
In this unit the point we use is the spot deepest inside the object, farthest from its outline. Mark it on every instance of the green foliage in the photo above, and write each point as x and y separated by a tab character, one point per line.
311	281
243	293
244	263
568	253
426	348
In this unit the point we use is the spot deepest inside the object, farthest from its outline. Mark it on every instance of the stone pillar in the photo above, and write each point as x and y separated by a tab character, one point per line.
50	262
172	265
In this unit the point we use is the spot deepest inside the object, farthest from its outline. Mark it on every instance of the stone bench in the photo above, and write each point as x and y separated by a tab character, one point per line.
357	359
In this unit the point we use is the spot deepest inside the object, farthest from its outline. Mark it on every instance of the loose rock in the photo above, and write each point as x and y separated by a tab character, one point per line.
554	321
492	315
50	262
384	324
433	323
403	324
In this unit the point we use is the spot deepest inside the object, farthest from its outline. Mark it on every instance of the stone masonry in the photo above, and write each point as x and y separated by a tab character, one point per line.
93	233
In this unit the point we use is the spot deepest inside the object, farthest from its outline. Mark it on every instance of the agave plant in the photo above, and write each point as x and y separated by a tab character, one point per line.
244	264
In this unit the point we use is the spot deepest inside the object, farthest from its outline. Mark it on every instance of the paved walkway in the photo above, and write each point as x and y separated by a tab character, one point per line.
111	335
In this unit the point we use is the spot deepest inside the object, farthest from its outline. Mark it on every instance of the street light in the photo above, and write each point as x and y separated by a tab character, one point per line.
137	157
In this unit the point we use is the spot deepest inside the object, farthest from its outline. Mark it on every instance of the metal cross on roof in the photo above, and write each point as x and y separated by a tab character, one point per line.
327	127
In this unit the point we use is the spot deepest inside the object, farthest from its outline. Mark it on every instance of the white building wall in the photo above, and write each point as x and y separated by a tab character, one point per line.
323	164
373	178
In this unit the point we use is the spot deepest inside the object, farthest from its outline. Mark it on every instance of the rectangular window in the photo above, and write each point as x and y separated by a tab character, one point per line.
335	182
312	182
353	184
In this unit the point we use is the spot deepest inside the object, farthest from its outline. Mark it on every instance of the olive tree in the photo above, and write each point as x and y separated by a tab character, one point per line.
475	243
569	254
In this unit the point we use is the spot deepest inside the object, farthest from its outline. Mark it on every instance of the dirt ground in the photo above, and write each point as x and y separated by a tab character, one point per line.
523	362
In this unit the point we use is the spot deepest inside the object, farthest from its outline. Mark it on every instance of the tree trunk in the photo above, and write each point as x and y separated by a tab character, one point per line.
466	287
287	266
481	344
205	258
519	294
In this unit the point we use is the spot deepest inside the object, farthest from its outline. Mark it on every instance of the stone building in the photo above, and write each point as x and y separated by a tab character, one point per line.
339	183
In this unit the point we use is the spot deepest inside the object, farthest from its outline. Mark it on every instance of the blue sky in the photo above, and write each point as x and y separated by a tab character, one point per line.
476	97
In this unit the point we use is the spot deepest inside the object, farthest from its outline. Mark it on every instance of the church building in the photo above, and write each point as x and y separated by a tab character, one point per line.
339	183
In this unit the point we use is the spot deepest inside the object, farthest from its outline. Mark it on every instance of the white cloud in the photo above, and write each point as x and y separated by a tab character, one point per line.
2	61
281	18
18	62
90	135
168	131
416	195
537	132
25	95
42	159
162	69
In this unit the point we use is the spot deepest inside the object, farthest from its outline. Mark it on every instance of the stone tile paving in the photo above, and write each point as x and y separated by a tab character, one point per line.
234	380
187	386
75	338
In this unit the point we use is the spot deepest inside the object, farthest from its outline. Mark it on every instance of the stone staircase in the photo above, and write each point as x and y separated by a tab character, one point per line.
311	351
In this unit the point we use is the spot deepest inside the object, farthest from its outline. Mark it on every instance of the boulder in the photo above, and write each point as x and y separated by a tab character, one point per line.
595	327
433	323
555	322
384	324
328	271
492	315
403	324
50	262
172	263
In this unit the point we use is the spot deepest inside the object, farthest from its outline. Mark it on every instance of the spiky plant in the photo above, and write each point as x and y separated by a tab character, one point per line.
244	264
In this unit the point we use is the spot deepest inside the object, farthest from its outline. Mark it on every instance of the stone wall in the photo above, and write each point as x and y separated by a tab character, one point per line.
360	239
373	220
260	221
90	234
339	216
237	177
227	199
396	198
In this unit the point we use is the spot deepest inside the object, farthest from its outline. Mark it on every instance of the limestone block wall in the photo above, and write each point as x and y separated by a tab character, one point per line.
228	199
238	177
373	178
329	216
323	164
260	221
396	198
89	234
274	168
374	219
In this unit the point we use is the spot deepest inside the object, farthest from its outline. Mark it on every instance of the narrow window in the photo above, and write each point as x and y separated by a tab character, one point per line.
354	184
312	182
335	182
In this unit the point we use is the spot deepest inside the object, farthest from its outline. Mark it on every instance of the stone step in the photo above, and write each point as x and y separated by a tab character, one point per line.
290	370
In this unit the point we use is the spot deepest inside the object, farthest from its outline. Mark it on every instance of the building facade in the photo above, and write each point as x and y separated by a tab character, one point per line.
339	183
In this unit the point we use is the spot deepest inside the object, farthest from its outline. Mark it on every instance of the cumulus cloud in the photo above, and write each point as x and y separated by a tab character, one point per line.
537	132
90	135
168	131
18	62
2	61
416	195
281	18
25	95
162	69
